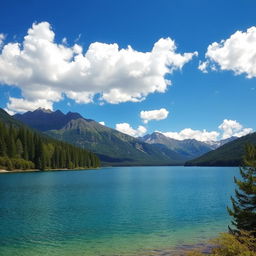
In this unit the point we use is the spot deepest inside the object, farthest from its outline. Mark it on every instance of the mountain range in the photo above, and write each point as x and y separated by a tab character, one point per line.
229	154
112	146
189	148
45	119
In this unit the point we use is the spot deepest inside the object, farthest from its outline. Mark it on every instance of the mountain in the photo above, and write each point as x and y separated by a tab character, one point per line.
7	119
45	119
219	143
113	147
23	148
230	154
188	148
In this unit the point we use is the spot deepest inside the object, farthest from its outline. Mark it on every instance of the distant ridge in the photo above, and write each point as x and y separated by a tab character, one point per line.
230	154
112	146
45	119
188	148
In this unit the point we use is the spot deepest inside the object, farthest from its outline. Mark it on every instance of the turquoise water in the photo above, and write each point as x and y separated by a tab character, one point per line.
112	211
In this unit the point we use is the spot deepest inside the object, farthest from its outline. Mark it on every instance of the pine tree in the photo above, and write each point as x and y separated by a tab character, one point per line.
19	148
244	206
3	148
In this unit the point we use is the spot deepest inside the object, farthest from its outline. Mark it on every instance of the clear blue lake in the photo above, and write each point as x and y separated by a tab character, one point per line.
112	211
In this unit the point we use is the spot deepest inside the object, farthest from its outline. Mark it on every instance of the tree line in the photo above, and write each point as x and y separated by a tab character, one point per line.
23	148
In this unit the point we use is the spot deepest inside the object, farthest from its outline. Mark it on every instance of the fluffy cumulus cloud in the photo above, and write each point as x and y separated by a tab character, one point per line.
228	128
159	114
46	70
22	105
127	129
233	128
203	66
237	53
102	123
189	133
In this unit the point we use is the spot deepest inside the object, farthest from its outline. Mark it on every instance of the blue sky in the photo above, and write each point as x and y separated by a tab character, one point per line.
195	100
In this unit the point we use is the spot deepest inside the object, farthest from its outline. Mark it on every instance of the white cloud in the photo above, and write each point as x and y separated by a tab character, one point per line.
80	97
243	132
203	66
233	128
45	69
127	129
189	133
102	123
21	105
159	114
228	129
237	53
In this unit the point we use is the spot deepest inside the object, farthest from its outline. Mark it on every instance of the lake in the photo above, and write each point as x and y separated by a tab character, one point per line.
112	211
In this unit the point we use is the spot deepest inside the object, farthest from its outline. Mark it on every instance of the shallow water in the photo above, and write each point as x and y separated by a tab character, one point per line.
112	211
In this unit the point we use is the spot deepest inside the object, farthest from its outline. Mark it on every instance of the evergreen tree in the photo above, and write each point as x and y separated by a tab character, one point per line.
3	148
22	148
19	148
244	206
11	147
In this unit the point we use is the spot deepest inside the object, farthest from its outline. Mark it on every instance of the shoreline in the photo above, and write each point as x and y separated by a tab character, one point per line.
180	250
3	171
18	170
177	250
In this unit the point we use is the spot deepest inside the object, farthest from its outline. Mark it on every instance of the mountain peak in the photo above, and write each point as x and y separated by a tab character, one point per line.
154	137
44	119
156	133
44	110
73	115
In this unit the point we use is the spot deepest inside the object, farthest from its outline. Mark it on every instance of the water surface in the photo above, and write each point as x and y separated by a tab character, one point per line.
112	211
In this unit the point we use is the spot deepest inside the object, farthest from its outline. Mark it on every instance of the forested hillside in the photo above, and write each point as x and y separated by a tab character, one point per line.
22	148
230	154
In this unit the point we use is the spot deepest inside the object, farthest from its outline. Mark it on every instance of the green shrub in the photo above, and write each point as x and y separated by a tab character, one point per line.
15	163
230	245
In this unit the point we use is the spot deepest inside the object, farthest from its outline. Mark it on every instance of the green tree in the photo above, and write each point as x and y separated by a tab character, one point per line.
11	146
19	148
3	148
244	205
9	164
